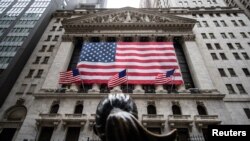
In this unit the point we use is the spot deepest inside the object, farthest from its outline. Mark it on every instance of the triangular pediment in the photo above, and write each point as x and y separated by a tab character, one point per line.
125	19
128	15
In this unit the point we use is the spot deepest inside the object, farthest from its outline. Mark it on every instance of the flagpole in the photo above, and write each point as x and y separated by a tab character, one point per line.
127	78
172	85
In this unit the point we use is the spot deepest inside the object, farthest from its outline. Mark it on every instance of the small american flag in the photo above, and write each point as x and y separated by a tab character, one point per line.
69	77
117	79
164	78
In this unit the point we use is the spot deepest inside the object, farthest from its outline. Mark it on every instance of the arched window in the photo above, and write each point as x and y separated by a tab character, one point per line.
176	110
201	110
78	109
151	109
54	109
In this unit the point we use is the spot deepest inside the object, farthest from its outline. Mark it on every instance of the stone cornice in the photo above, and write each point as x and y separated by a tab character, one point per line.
134	96
237	99
170	11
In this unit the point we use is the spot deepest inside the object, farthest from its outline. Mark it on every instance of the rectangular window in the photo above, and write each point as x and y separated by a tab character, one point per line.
49	38
38	58
205	23
232	72
246	71
236	56
242	23
31	72
60	28
238	45
53	28
218	15
211	35
223	35
216	23
73	133
247	112
241	88
223	56
57	20
214	56
45	60
198	24
234	23
39	74
43	48
230	89
45	133
245	55
204	36
230	46
231	35
244	35
56	38
223	23
209	46
51	48
222	72
217	46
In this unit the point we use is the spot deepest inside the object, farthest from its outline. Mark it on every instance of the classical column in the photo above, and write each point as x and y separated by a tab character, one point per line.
196	64
95	89
116	89
73	88
60	64
160	89
138	89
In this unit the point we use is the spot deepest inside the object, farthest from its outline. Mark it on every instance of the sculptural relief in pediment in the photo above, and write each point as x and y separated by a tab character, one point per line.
127	17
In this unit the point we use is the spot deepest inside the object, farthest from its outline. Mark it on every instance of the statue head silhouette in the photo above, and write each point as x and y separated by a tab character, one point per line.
117	120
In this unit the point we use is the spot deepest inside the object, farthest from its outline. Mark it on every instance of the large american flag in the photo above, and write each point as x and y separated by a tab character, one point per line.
143	60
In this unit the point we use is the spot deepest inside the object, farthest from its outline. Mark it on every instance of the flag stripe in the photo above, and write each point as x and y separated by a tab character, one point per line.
130	74
163	68
99	62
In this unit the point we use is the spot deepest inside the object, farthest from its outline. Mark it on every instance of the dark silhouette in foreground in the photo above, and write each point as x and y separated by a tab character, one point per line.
117	120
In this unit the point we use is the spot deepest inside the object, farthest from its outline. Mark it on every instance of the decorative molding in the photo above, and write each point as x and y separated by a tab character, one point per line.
179	96
67	38
189	37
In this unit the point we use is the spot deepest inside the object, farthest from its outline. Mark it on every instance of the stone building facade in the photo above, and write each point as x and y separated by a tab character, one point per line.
242	4
38	108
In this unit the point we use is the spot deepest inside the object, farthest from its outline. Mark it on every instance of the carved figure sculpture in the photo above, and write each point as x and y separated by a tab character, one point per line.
117	120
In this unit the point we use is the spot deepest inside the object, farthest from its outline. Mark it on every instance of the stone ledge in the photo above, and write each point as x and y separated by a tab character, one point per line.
134	96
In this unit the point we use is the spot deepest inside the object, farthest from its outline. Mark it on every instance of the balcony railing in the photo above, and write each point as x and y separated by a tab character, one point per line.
74	119
180	119
50	116
201	120
153	120
49	119
75	116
